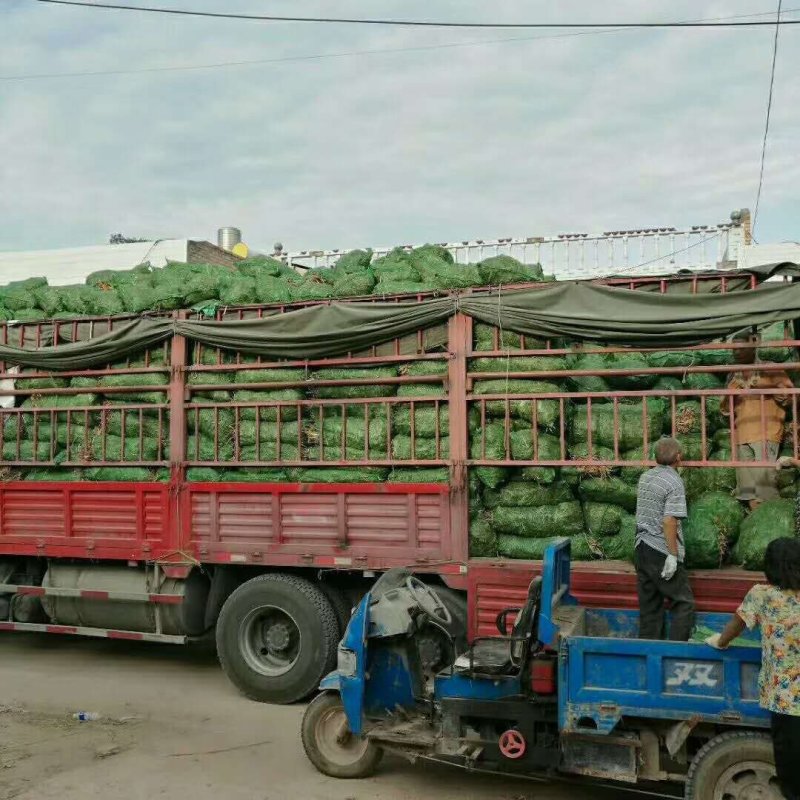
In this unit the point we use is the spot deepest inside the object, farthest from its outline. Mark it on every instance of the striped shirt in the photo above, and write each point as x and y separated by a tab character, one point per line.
660	494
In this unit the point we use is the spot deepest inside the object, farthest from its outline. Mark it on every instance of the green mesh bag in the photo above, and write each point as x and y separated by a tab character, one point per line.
527	494
562	519
505	269
608	490
771	520
711	528
419	475
365	390
482	539
602	519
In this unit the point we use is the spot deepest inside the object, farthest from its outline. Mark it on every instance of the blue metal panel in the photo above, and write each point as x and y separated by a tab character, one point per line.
351	687
605	679
390	686
460	686
555	588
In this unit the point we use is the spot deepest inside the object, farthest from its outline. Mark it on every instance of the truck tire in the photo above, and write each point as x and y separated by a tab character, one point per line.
329	745
435	649
729	764
340	604
276	638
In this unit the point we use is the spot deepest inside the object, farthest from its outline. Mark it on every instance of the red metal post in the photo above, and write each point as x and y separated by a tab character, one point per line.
177	430
460	338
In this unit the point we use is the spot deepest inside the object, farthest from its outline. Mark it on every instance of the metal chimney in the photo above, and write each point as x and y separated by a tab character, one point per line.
228	238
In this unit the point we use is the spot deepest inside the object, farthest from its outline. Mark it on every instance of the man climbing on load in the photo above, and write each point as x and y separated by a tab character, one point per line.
757	424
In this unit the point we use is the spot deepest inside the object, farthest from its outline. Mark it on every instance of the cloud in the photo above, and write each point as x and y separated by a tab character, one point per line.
519	138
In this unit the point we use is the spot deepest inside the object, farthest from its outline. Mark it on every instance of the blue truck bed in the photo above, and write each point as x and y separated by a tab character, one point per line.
607	674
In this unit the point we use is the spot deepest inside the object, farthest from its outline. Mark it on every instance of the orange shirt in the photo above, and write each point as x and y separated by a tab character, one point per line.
756	422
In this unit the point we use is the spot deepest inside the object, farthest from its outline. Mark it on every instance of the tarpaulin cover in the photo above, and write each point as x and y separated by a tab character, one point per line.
576	311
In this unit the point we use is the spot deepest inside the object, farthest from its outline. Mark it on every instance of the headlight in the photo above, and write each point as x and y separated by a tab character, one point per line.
347	662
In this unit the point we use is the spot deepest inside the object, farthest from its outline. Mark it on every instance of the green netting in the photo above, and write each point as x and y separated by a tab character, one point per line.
103	302
271	375
710	529
310	287
45	382
238	291
484	338
608	490
621	547
526	493
60	401
353	261
673	358
630	361
526	447
45	475
271	289
122	381
133	423
355	391
534	549
421	390
632	474
425	367
136	298
482	539
268	451
419	475
701	480
47	298
116	277
355	433
588	383
771	520
247	434
354	284
96	447
547	412
26	451
425	421
338	474
202	474
267	414
207	420
668	383
703	380
518	364
503	269
424	449
692	447
28	315
561	519
263	265
603	519
202	448
255	475
140	474
630	429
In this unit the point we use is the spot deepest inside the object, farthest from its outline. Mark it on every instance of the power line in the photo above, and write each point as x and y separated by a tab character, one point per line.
346	54
413	23
769	111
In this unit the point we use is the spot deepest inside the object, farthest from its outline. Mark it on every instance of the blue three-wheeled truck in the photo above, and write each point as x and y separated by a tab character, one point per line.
569	692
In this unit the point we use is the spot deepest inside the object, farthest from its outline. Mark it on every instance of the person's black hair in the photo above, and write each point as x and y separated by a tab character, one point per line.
782	562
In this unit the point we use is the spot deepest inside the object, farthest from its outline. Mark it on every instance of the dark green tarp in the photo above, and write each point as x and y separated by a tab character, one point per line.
579	311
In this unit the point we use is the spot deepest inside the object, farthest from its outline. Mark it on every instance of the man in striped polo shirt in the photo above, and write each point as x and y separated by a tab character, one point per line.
661	575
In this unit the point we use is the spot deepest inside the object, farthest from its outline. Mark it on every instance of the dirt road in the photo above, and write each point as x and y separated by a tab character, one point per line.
174	727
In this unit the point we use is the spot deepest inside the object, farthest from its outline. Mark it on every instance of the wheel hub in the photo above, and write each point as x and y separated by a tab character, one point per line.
748	780
277	637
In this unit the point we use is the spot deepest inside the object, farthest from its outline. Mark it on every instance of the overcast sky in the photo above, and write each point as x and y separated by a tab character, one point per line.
528	137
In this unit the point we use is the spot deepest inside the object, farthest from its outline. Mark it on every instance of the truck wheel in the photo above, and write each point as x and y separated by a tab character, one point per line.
340	604
435	649
276	638
740	764
330	746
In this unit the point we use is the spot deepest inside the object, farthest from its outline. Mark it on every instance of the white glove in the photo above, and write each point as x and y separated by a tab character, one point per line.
784	462
670	568
713	641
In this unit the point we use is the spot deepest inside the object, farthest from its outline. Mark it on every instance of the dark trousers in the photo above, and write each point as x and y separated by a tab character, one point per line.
653	590
786	741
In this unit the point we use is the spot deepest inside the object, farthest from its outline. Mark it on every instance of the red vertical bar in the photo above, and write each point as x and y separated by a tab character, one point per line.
177	437
460	339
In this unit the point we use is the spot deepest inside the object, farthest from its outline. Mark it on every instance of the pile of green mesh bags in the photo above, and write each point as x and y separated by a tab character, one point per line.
111	428
258	280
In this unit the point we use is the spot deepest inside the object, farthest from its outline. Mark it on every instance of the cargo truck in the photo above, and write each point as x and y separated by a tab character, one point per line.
250	536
